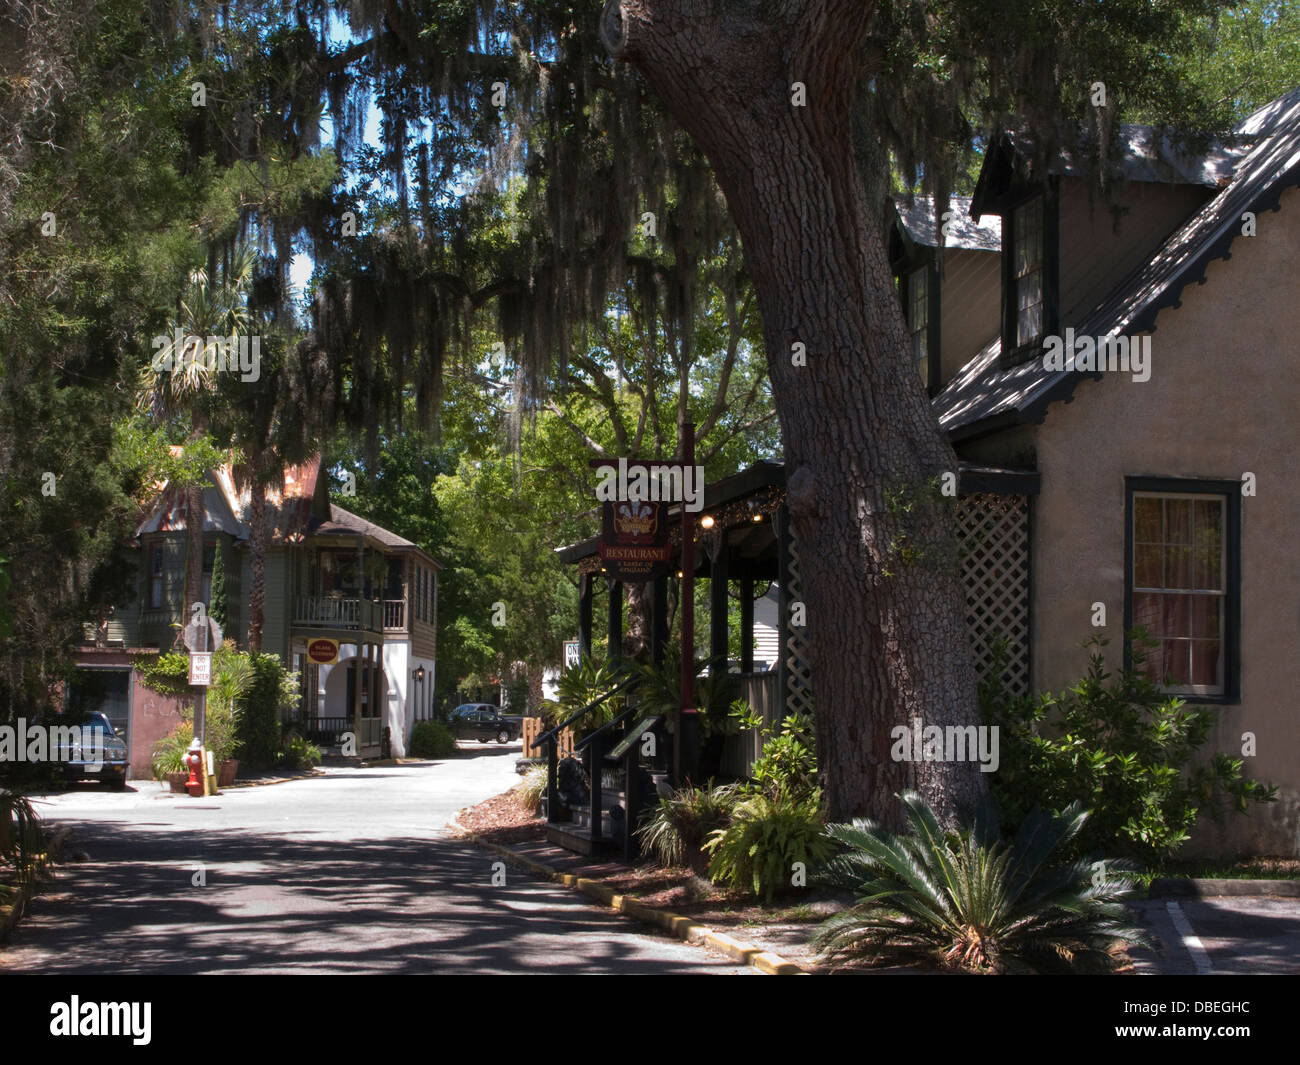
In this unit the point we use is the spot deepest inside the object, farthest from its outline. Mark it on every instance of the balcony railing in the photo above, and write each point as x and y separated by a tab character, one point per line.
331	612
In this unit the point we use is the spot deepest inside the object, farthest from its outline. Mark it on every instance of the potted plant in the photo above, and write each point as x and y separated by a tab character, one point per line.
169	755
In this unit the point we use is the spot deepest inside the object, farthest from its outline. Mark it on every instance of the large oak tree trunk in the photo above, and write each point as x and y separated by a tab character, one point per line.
863	450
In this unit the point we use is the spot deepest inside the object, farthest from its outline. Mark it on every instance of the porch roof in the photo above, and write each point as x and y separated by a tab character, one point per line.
763	484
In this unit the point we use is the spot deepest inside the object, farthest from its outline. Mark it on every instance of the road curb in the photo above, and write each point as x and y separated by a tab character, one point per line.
266	783
677	926
1170	887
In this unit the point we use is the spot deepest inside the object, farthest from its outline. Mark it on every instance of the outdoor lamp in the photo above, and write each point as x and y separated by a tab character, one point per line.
706	522
419	674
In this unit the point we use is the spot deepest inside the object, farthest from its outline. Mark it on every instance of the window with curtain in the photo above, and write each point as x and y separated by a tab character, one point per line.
1180	588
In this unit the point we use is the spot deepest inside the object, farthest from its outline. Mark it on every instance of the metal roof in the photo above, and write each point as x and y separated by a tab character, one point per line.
983	396
345	523
963	231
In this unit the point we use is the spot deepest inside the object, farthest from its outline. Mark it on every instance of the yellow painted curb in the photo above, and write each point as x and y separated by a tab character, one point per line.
683	928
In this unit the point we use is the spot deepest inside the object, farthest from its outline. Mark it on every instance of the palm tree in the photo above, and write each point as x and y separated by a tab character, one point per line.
181	380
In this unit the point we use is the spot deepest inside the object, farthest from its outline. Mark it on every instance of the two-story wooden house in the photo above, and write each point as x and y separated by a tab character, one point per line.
349	605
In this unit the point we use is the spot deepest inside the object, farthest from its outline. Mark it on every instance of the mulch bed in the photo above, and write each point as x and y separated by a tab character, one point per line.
784	927
503	819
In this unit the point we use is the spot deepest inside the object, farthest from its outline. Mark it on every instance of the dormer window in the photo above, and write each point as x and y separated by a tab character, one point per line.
1027	225
918	319
918	291
1029	257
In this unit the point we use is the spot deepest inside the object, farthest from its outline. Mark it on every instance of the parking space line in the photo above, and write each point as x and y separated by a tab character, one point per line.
1191	942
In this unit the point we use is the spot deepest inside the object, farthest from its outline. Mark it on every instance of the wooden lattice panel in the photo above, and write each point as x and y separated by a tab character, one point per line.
798	678
994	535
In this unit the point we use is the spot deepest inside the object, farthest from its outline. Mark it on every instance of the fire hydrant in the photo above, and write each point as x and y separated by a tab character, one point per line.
194	759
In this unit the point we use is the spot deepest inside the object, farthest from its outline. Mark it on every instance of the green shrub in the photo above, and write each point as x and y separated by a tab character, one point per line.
298	753
432	739
767	835
232	675
971	900
273	691
1119	746
167	674
675	830
532	789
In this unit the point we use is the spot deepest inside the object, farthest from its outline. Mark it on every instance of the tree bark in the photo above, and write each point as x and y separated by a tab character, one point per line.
257	560
636	624
193	551
863	450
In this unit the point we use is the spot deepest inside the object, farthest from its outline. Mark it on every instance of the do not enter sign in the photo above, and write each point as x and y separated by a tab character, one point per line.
323	652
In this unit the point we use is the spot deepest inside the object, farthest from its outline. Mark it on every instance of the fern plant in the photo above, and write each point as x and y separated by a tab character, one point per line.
973	900
768	834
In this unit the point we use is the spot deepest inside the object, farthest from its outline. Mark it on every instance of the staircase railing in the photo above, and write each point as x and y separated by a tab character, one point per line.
551	738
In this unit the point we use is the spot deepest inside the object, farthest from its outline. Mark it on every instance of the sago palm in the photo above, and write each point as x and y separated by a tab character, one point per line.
972	899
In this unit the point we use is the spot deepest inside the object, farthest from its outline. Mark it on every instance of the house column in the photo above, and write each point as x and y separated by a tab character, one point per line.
356	667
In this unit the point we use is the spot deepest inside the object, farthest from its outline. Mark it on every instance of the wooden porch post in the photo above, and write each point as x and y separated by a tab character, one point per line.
615	647
659	621
718	571
584	614
783	608
747	625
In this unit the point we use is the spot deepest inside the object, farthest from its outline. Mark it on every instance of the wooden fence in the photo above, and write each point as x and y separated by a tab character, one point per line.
534	727
763	694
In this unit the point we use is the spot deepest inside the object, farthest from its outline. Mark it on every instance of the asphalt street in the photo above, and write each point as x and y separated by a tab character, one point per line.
350	872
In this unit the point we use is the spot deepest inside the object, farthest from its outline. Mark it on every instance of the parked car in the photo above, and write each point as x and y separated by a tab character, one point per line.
98	754
483	721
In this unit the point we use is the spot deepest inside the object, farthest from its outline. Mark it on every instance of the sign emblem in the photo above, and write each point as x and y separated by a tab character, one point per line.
323	652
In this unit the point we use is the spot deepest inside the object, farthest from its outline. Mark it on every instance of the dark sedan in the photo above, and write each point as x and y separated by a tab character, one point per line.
94	752
482	721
